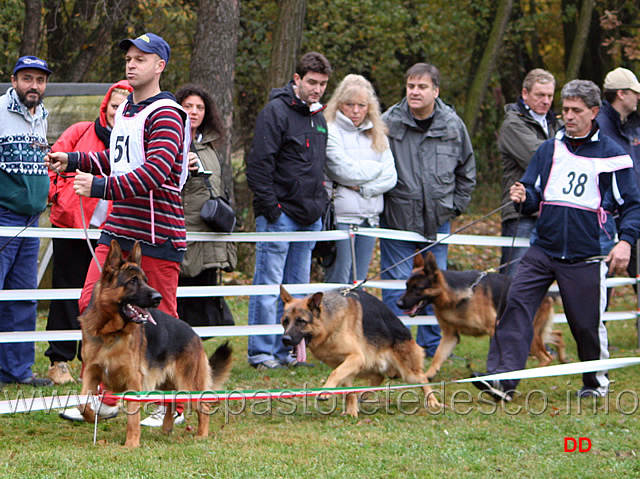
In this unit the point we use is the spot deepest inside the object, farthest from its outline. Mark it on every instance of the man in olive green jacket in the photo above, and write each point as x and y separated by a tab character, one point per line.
527	123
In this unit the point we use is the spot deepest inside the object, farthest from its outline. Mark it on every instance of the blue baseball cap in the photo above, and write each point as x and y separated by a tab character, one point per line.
31	62
149	43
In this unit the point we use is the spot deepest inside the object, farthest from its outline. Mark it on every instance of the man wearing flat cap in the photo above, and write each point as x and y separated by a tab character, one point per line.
145	168
24	186
619	120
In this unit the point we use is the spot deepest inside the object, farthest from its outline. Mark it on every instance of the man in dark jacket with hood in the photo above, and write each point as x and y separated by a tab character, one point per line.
619	120
285	172
527	123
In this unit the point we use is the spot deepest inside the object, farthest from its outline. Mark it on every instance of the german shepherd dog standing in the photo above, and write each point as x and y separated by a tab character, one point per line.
358	336
128	345
466	303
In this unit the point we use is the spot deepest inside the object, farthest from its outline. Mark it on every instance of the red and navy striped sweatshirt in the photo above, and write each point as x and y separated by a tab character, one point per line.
131	193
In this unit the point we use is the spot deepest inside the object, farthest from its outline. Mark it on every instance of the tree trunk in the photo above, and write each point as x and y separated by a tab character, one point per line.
213	64
286	42
580	40
535	40
74	43
487	64
31	30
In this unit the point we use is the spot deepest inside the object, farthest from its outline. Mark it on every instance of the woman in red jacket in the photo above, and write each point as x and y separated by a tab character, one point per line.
71	257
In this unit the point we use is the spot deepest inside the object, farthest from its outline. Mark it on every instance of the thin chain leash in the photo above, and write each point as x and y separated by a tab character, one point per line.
426	248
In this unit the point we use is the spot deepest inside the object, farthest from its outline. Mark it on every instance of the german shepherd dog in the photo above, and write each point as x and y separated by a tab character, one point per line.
463	307
128	345
358	336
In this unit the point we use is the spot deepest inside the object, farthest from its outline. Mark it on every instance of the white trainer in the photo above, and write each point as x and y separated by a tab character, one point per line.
104	411
156	419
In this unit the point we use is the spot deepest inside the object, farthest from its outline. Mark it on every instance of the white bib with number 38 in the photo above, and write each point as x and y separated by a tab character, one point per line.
573	180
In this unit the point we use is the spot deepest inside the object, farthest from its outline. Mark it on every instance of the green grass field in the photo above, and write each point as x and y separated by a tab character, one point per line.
395	436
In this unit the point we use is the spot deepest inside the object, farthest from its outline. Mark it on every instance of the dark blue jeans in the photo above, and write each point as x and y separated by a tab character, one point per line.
392	251
277	262
18	270
341	271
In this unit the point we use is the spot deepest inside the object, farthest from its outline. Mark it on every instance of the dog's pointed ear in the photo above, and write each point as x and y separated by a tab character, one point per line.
135	256
418	262
284	295
114	259
315	301
430	265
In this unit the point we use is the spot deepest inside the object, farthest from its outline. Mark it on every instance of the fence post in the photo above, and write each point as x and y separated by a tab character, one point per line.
352	243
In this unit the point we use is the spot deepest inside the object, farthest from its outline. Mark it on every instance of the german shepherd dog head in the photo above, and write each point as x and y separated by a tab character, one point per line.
425	284
298	317
125	280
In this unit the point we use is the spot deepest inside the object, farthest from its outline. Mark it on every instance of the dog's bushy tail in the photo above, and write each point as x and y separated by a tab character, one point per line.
220	362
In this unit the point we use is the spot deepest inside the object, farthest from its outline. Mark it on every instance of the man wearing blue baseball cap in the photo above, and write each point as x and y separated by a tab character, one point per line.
24	186
149	43
146	167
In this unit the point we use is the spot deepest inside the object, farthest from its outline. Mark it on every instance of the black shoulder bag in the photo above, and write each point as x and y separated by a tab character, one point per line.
325	251
217	212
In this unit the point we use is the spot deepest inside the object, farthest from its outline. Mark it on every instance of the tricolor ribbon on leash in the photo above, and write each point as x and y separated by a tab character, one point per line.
56	402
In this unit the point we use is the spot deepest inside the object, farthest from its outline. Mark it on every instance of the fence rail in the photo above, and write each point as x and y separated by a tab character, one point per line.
251	290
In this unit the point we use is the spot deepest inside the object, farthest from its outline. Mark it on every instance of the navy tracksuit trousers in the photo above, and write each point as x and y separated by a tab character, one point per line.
583	292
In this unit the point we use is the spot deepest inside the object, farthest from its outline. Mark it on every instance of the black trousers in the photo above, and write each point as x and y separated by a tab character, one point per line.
206	311
71	258
582	289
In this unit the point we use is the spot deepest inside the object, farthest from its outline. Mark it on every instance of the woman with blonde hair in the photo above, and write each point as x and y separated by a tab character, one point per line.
360	168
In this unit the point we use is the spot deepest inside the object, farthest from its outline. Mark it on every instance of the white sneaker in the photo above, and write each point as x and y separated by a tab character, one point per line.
157	418
104	411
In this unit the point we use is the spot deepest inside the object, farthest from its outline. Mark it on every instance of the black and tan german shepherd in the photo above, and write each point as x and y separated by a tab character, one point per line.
464	305
128	345
358	336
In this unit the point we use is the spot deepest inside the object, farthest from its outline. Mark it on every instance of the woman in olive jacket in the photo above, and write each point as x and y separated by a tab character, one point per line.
203	261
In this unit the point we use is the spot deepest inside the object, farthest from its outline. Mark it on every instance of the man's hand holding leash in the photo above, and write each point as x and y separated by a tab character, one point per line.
518	193
58	162
82	183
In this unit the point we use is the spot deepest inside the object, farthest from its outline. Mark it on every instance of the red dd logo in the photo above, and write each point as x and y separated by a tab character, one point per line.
581	444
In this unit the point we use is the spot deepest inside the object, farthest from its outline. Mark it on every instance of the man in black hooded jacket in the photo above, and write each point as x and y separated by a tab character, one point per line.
285	170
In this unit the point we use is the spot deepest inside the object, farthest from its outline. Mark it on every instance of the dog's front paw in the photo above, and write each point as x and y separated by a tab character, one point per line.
132	443
323	396
351	412
432	401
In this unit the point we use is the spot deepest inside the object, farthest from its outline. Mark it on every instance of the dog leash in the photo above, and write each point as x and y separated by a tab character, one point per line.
84	226
86	237
426	248
36	217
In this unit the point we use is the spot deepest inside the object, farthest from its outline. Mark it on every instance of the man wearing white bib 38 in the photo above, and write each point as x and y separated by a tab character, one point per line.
577	181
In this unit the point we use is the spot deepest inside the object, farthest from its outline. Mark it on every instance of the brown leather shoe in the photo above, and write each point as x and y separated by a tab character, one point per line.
60	373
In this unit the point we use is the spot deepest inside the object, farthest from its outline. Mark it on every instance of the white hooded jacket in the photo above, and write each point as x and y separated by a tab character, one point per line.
352	162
